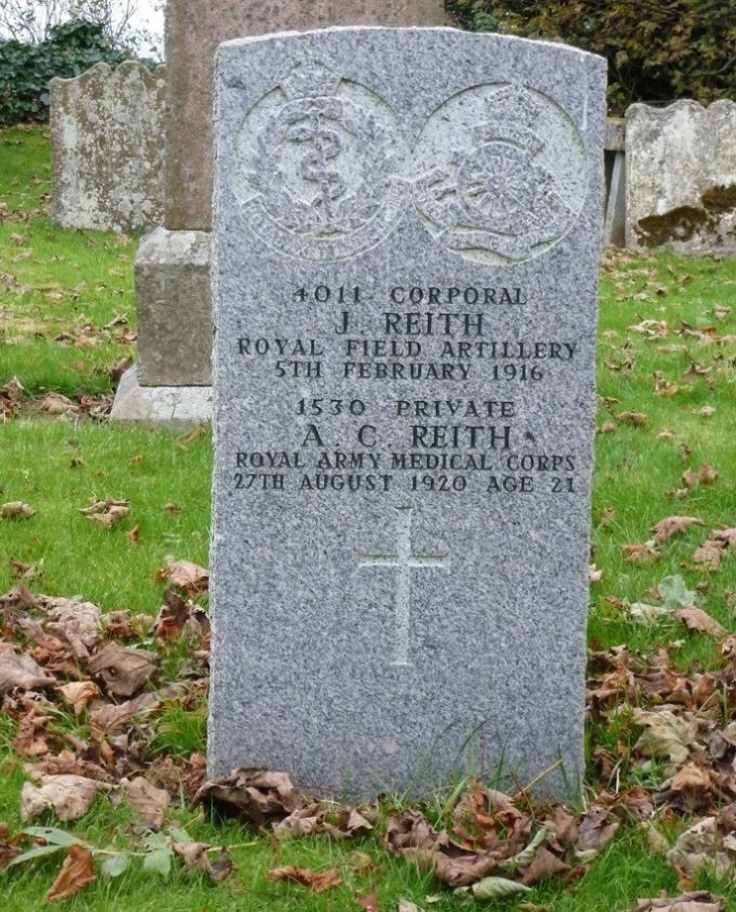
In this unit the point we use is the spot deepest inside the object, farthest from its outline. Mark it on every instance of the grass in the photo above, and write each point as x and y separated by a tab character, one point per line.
67	317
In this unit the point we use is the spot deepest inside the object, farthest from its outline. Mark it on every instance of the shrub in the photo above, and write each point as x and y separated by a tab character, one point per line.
26	69
657	50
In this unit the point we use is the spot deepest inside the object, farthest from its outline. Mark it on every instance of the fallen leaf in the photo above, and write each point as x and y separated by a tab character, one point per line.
595	830
195	856
406	906
709	554
700	845
124	671
690	776
704	475
545	863
150	803
640	554
637	419
17	670
75	874
370	902
673	525
56	404
16	509
70	797
177	617
79	694
319	882
107	512
686	902
495	888
697	619
251	794
667	734
707	411
186	575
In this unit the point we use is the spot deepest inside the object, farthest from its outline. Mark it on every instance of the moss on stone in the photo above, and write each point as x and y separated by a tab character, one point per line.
719	198
676	225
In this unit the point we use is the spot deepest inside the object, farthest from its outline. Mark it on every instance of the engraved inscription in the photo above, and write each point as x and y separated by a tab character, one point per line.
404	561
315	166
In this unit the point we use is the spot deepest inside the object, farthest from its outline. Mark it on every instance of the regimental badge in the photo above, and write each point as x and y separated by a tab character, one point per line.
318	159
492	189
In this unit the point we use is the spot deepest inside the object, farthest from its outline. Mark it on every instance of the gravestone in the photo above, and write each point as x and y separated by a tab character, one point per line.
681	177
173	263
108	162
406	244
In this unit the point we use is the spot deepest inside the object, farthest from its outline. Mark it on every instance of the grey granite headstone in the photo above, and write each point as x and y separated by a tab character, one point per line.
406	240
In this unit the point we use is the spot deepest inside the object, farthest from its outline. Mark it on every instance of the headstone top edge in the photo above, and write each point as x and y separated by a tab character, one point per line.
236	43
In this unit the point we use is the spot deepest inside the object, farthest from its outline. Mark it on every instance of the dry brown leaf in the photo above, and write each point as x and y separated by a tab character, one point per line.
691	776
76	621
107	512
79	694
544	864
110	717
319	882
251	794
667	734
673	525
18	670
640	554
124	671
75	874
700	845
595	830
70	797
637	419
700	901
370	901
411	836
56	404
186	575
16	509
697	619
150	803
177	617
704	475
709	554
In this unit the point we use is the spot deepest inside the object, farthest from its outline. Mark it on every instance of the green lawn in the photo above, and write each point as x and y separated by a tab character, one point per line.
666	383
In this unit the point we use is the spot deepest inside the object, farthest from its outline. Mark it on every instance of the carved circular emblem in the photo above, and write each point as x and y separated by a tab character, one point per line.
502	174
315	166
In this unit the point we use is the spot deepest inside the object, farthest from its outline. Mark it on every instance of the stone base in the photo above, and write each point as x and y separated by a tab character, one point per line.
174	406
173	300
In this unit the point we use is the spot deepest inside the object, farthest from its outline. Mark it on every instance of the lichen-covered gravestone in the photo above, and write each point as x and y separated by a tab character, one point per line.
681	177
106	135
407	231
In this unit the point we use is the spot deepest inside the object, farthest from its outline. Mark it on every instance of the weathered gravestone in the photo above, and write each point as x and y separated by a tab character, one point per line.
108	161
407	231
681	177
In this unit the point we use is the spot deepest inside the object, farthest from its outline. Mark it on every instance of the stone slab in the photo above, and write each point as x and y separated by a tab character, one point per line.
681	177
168	406
108	163
194	28
405	265
172	281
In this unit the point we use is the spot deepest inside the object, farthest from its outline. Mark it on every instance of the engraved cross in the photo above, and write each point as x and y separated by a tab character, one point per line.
403	561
